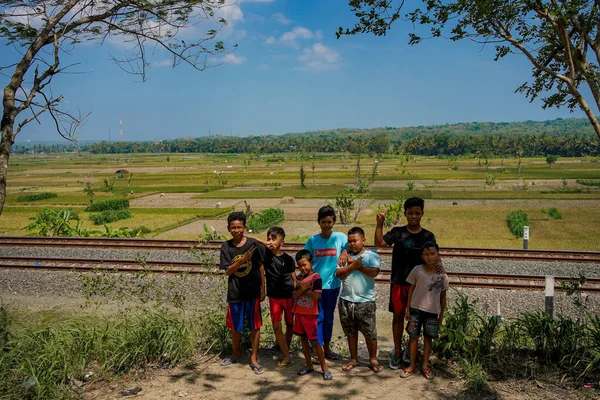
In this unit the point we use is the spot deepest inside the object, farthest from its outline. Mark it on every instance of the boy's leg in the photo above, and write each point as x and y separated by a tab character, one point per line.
281	341
276	309
413	345
398	304
255	340
348	319
329	297
289	334
320	356
413	328
306	352
366	315
236	340
426	351
372	347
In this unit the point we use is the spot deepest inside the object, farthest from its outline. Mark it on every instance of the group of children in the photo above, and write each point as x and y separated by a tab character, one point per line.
335	270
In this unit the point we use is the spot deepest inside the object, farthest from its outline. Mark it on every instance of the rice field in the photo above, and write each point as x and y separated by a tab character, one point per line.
175	198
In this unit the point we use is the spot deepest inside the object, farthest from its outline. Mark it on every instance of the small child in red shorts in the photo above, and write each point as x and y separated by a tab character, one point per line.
306	308
280	271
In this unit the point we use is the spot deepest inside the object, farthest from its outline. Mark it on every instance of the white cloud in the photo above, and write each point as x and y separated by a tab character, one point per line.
319	57
242	33
291	38
280	18
263	67
163	63
233	59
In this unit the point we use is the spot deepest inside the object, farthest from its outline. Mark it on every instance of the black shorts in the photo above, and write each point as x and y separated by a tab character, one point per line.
428	321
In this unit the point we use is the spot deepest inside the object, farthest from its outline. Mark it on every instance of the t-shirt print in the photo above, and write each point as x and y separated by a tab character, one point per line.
244	269
326	252
436	284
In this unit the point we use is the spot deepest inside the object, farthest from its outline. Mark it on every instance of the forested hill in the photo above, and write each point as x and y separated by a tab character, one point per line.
556	127
565	137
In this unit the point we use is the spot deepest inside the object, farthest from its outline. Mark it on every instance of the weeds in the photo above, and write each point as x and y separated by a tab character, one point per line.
516	221
37	196
106	205
265	219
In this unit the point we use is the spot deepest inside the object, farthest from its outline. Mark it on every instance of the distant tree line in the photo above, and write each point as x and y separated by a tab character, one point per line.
567	138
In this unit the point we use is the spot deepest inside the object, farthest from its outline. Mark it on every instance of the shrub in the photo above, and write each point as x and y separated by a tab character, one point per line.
111	204
589	182
37	196
516	221
49	222
109	216
139	231
265	219
553	213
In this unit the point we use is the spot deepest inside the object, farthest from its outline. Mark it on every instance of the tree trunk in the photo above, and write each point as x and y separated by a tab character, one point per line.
5	146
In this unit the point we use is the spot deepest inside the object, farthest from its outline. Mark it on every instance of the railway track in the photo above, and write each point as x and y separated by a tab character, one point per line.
156	244
463	279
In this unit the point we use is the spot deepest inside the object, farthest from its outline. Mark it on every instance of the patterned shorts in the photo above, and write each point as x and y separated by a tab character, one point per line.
428	321
358	317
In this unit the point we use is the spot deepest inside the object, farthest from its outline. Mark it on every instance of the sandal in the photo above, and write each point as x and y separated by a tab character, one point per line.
257	369
331	356
376	368
406	372
228	362
282	365
348	367
394	364
305	371
428	374
327	376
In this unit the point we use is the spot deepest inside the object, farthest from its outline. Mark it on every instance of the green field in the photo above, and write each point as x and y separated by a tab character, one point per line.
169	195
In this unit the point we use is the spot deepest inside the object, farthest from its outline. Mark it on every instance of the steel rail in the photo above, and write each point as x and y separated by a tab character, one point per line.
463	279
156	244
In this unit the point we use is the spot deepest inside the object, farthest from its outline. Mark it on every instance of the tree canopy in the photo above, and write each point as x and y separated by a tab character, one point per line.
561	39
43	31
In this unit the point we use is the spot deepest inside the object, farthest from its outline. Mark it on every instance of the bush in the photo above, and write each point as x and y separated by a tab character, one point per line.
516	221
589	182
553	213
109	216
105	205
265	219
139	231
37	196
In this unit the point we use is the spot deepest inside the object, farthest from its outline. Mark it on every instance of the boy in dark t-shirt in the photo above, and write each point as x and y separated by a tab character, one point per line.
241	258
408	243
280	271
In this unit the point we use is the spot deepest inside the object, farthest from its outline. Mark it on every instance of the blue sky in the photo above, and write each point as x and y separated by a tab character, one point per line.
291	74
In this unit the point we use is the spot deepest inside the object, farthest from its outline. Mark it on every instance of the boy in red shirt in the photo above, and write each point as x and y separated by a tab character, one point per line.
306	307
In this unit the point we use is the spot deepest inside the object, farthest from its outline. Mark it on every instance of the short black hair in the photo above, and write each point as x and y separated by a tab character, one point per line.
236	216
276	231
414	202
356	229
430	244
326	211
304	254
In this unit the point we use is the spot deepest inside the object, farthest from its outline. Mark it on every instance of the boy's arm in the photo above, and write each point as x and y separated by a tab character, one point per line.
263	242
263	286
372	270
299	290
410	294
379	242
312	295
442	306
353	264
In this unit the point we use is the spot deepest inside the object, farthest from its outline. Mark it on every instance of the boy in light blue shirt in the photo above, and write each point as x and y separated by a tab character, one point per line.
327	249
357	302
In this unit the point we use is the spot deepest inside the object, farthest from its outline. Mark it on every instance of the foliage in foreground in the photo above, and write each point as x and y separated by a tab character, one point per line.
496	346
517	220
36	196
108	216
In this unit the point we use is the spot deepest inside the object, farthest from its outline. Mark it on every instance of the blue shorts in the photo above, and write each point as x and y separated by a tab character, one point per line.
244	312
428	321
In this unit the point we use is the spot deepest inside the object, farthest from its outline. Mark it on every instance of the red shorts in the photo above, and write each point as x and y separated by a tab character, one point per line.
398	298
279	307
306	325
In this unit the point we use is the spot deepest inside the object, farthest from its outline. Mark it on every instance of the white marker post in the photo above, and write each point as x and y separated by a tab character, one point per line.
525	237
550	296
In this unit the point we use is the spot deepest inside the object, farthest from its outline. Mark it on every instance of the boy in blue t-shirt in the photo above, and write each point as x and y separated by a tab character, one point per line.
326	247
357	302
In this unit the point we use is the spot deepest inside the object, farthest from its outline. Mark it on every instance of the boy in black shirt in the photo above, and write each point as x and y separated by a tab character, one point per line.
408	243
280	271
241	258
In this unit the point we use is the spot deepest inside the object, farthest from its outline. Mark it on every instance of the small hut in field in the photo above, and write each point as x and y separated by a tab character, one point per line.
122	173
